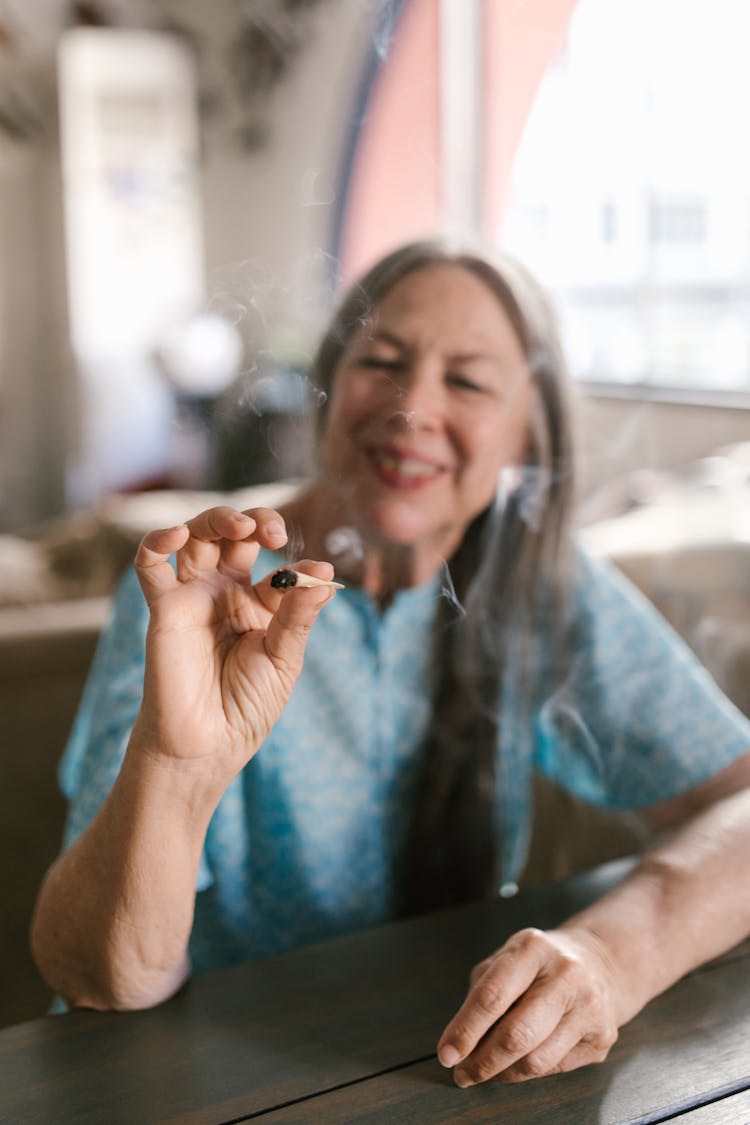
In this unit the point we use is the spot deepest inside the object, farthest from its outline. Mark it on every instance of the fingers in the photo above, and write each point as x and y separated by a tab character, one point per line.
479	970
511	972
242	609
152	566
219	538
290	627
589	1049
538	1006
224	539
273	596
538	1018
238	557
566	1049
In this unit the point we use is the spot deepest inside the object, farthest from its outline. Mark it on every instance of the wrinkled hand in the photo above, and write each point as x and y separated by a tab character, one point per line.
222	654
545	1002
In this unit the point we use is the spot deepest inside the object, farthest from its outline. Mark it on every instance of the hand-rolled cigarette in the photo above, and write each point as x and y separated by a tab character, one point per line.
285	578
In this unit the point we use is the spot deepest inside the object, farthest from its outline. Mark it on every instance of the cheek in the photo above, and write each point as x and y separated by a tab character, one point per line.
333	443
347	409
351	401
510	440
494	443
515	439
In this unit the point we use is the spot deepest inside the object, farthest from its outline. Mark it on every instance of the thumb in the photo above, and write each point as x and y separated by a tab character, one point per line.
286	636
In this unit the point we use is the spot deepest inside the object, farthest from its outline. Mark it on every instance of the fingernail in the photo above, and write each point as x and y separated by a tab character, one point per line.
461	1078
448	1056
275	528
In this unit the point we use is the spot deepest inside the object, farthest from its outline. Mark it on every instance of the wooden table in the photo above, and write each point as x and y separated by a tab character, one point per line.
346	1031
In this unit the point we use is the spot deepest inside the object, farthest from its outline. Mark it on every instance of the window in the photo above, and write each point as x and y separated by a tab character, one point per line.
606	144
633	152
134	242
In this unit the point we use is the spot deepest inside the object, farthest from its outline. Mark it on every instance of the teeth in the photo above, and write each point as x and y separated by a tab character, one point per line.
406	466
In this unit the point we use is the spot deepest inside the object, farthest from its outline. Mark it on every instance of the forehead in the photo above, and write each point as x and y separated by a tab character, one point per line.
444	303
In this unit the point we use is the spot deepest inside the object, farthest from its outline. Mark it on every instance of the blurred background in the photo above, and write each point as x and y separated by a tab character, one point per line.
184	188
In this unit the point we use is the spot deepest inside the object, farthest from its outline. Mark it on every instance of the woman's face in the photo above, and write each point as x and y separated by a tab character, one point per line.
429	402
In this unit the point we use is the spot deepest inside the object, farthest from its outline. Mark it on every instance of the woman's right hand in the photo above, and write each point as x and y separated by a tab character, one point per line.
222	657
222	654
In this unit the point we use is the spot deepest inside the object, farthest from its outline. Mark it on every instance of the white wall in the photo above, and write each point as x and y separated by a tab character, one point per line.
281	199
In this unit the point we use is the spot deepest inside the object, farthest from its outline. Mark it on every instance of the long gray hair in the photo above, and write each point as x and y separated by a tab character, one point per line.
509	580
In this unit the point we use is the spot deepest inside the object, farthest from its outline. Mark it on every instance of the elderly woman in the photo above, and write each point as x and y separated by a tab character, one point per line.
227	803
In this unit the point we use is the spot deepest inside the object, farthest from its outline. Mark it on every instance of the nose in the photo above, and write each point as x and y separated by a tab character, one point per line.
418	403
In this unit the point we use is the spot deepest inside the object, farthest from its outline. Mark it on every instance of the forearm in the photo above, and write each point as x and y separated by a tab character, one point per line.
114	914
687	902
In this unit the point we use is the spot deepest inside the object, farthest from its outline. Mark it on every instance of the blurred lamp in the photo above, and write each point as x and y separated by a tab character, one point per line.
200	356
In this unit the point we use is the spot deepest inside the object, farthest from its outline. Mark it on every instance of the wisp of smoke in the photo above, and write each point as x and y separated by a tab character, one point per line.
448	590
344	544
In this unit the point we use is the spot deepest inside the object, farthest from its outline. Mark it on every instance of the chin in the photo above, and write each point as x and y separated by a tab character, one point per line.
400	525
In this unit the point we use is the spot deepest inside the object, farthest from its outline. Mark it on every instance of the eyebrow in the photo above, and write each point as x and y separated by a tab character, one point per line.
380	335
383	336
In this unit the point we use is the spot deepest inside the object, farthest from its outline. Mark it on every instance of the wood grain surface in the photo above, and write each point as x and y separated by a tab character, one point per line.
688	1046
239	1043
734	1110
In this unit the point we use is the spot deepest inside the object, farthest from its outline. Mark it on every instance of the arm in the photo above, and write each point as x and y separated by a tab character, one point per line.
114	914
572	988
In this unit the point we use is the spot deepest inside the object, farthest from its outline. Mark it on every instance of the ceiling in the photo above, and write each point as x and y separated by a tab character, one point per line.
243	49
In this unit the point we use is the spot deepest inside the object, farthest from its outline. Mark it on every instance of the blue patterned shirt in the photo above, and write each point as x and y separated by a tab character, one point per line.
303	843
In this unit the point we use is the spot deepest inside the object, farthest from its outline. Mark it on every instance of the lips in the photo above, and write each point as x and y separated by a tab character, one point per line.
404	469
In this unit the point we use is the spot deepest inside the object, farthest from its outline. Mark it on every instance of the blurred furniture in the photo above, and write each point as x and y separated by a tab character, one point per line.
45	652
346	1031
685	541
263	429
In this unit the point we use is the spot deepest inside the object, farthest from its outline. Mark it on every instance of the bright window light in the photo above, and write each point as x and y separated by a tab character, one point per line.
631	192
134	241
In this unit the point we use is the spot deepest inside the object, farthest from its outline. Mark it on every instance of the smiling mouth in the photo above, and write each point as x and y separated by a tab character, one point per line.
401	471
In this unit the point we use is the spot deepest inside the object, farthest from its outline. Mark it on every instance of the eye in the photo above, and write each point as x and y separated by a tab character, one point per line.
376	363
464	383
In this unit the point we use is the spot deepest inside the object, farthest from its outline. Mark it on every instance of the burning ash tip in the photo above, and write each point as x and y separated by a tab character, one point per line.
285	578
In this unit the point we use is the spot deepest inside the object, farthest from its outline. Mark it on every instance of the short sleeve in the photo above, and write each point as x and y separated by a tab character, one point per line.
635	718
109	706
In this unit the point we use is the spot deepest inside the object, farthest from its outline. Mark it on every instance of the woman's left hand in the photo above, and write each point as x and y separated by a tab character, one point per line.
545	1002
